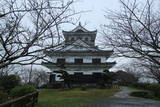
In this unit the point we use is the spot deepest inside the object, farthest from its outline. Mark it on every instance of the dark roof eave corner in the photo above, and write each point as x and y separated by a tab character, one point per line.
63	31
95	31
107	52
112	51
112	64
43	63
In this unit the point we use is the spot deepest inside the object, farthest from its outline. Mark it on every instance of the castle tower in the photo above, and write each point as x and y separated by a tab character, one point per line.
78	53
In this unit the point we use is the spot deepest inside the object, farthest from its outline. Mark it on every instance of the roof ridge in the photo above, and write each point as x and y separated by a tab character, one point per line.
80	27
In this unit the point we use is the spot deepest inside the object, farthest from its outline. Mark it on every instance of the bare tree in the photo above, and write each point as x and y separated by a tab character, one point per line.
7	70
36	77
134	69
28	27
134	31
153	72
150	70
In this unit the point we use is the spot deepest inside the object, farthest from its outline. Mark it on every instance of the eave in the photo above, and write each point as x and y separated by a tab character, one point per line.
106	53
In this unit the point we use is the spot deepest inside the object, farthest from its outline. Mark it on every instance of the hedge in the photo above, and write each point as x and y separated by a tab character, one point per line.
143	94
3	96
155	88
22	90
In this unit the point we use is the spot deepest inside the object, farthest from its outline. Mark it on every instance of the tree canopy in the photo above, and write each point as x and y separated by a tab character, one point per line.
134	31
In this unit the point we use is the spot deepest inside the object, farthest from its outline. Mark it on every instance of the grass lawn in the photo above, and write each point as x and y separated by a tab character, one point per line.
72	98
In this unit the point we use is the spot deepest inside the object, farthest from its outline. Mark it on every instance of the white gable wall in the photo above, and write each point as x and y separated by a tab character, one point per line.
78	45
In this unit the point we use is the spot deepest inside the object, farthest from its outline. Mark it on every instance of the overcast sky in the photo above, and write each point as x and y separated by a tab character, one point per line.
95	15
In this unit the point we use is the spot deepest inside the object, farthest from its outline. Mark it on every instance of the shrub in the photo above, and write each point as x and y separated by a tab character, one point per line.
155	88
101	84
3	96
9	81
83	87
141	85
54	85
143	94
22	90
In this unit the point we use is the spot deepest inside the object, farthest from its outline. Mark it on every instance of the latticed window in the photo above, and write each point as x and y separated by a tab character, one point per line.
96	61
86	39
61	61
92	40
79	38
78	61
72	39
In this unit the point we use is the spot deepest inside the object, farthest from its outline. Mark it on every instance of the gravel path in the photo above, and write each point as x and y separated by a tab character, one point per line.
122	99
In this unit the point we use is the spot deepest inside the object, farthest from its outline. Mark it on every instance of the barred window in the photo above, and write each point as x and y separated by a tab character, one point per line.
61	61
96	61
86	39
78	61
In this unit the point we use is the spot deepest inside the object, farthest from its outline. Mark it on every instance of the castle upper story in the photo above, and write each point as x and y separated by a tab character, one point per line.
80	33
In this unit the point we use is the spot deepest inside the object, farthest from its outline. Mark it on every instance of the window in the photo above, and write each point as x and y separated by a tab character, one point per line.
78	61
97	76
79	38
61	61
92	40
86	39
72	39
66	39
78	76
96	61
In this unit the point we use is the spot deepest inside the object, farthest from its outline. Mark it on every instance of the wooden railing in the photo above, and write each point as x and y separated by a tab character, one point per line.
115	86
28	100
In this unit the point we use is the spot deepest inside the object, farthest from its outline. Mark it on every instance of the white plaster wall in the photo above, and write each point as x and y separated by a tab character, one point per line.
57	78
70	59
54	59
103	59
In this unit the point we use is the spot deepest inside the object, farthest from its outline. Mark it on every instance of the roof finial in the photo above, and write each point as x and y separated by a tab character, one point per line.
79	23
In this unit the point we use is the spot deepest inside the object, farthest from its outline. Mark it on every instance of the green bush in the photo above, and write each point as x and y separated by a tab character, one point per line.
101	85
3	96
22	90
143	94
155	88
9	81
83	87
141	85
